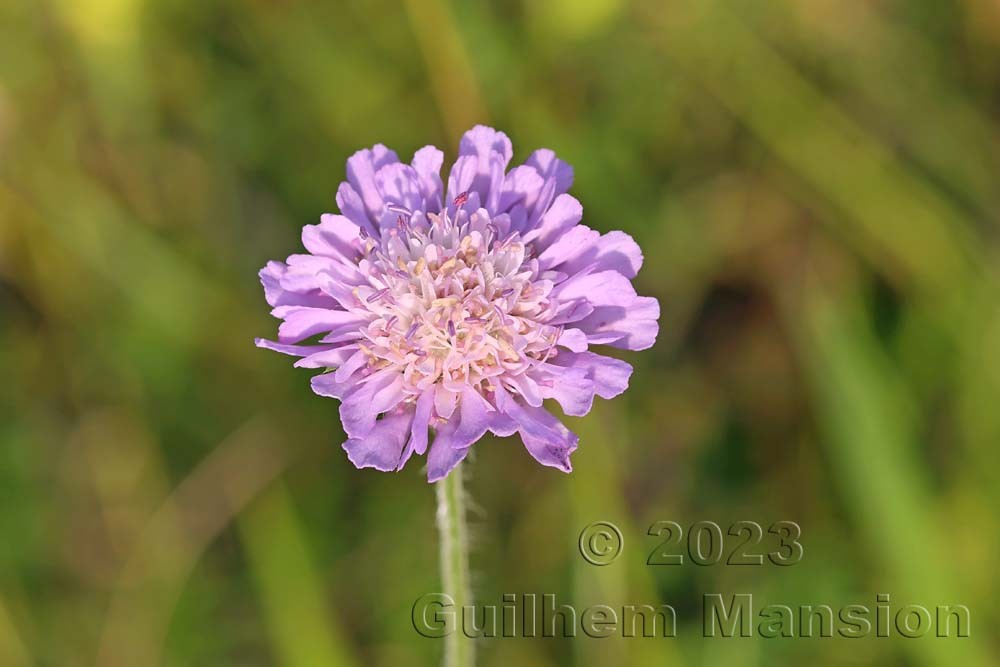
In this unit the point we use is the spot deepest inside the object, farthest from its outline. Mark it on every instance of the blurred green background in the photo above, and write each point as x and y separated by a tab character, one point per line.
815	185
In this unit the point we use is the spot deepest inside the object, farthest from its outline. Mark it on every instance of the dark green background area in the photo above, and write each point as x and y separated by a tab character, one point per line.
815	185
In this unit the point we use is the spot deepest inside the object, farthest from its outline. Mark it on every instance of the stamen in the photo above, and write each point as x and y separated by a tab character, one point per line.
448	273
377	295
551	350
507	239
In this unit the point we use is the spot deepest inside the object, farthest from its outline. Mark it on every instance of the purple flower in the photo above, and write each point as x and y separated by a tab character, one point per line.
459	311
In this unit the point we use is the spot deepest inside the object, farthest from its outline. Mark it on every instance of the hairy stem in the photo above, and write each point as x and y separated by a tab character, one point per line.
459	650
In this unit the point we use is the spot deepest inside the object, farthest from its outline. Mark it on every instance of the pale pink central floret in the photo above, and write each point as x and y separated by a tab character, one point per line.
455	304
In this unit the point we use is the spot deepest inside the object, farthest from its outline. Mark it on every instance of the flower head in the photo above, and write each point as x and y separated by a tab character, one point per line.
458	312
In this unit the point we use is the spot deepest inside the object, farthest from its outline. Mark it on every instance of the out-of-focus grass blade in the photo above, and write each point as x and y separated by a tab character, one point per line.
12	650
176	536
895	220
155	279
931	113
597	494
291	590
449	69
871	433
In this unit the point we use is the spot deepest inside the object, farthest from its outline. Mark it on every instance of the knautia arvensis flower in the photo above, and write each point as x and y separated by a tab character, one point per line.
441	314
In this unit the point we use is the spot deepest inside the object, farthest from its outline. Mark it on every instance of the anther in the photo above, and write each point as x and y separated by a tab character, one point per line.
377	295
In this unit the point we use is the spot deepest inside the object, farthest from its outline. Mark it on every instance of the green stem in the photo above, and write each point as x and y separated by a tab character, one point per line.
459	650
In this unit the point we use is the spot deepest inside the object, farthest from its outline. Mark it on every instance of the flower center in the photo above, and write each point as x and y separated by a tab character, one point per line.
455	302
